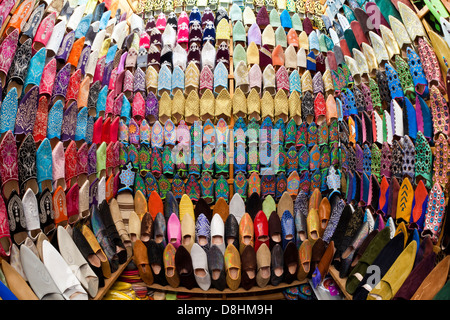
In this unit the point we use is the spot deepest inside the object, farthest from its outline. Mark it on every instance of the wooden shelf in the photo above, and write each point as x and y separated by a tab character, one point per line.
109	282
340	282
269	292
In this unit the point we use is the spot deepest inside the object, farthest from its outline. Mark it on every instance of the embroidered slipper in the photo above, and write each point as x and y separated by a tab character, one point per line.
9	111
81	125
434	213
405	202
281	185
16	217
430	64
157	166
69	122
7	51
417	73
44	32
19	66
9	169
409	157
440	163
254	184
26	156
423	163
44	165
46	212
133	156
207	187
439	111
397	159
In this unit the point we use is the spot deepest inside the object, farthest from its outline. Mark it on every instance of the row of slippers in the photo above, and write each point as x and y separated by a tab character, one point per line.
391	253
308	249
75	259
30	214
77	51
44	167
416	207
267	239
437	100
307	171
79	125
317	193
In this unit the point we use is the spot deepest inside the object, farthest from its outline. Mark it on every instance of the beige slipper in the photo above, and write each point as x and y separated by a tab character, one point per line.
134	227
285	203
118	221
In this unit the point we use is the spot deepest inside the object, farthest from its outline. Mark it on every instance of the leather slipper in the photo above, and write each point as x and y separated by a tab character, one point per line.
118	221
97	249
30	206
140	259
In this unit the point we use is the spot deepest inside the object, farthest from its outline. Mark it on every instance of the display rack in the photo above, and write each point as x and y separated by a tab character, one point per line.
110	281
269	292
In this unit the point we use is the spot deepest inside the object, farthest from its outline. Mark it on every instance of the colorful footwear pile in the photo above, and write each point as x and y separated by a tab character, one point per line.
121	291
138	286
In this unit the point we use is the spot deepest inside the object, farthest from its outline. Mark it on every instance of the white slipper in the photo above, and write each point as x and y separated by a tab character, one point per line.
61	273
56	38
38	276
136	23
120	226
76	262
75	18
98	41
119	33
126	204
237	207
30	209
92	63
446	30
101	190
83	200
218	232
200	266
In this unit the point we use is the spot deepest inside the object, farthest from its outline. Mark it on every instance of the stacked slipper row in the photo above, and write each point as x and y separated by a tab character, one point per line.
237	246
